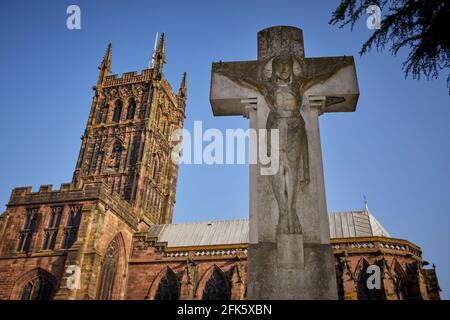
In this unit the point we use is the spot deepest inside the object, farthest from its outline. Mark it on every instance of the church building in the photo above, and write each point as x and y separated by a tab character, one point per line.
108	234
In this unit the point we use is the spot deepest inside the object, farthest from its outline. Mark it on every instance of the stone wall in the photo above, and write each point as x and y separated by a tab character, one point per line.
151	261
103	217
400	262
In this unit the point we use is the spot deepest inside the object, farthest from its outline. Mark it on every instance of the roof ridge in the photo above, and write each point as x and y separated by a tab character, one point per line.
350	211
199	222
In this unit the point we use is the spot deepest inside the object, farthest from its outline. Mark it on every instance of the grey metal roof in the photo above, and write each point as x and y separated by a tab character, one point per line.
202	233
342	225
355	224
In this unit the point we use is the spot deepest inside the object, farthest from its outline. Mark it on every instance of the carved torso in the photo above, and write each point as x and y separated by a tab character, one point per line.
285	101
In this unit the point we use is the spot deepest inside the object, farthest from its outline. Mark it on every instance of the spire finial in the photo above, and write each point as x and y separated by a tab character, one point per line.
183	87
366	207
105	67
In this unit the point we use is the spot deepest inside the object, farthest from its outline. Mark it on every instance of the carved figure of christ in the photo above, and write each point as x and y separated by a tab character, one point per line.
282	82
290	255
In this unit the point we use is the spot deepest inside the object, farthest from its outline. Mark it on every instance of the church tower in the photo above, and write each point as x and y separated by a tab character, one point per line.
127	142
74	242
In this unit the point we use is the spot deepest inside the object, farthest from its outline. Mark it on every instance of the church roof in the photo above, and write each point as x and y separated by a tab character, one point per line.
202	233
353	224
342	225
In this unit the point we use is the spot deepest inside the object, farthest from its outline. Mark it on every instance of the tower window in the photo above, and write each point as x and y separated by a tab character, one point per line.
32	218
131	109
102	113
71	229
51	231
155	172
117	111
116	156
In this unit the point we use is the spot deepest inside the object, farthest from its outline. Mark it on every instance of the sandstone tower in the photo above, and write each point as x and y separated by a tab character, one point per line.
124	182
127	139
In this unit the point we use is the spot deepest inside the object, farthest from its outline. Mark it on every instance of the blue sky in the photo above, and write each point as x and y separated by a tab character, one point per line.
394	149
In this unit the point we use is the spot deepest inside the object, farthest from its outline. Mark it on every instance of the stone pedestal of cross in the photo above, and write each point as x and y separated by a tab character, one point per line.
289	255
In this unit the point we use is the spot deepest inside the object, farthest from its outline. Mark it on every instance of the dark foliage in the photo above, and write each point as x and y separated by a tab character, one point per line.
423	26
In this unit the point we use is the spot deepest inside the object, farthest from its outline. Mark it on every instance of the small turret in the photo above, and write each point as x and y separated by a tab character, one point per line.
183	89
160	57
105	67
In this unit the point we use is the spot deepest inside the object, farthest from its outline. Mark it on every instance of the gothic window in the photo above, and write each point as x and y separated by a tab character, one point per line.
108	272
155	172
99	161
168	288
401	282
411	285
117	156
364	293
103	113
32	218
153	197
39	288
217	287
117	111
134	152
131	109
52	229
143	112
71	229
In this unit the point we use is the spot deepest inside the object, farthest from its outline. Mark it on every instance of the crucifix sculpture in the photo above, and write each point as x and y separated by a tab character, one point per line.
290	256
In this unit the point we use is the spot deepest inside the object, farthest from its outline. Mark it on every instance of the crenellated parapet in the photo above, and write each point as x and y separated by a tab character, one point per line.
128	78
71	193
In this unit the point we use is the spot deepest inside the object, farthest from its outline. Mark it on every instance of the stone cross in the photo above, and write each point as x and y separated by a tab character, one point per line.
289	255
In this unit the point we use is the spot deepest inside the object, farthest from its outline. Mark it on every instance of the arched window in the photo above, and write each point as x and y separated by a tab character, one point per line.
30	227
109	271
117	156
364	293
117	111
155	172
412	282
131	109
217	287
39	288
102	114
401	282
134	151
72	226
168	288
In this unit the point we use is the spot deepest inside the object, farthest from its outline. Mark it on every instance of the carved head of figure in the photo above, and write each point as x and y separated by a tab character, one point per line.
283	68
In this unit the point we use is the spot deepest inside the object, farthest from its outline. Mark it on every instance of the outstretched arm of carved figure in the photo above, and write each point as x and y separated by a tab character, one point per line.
243	73
320	69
